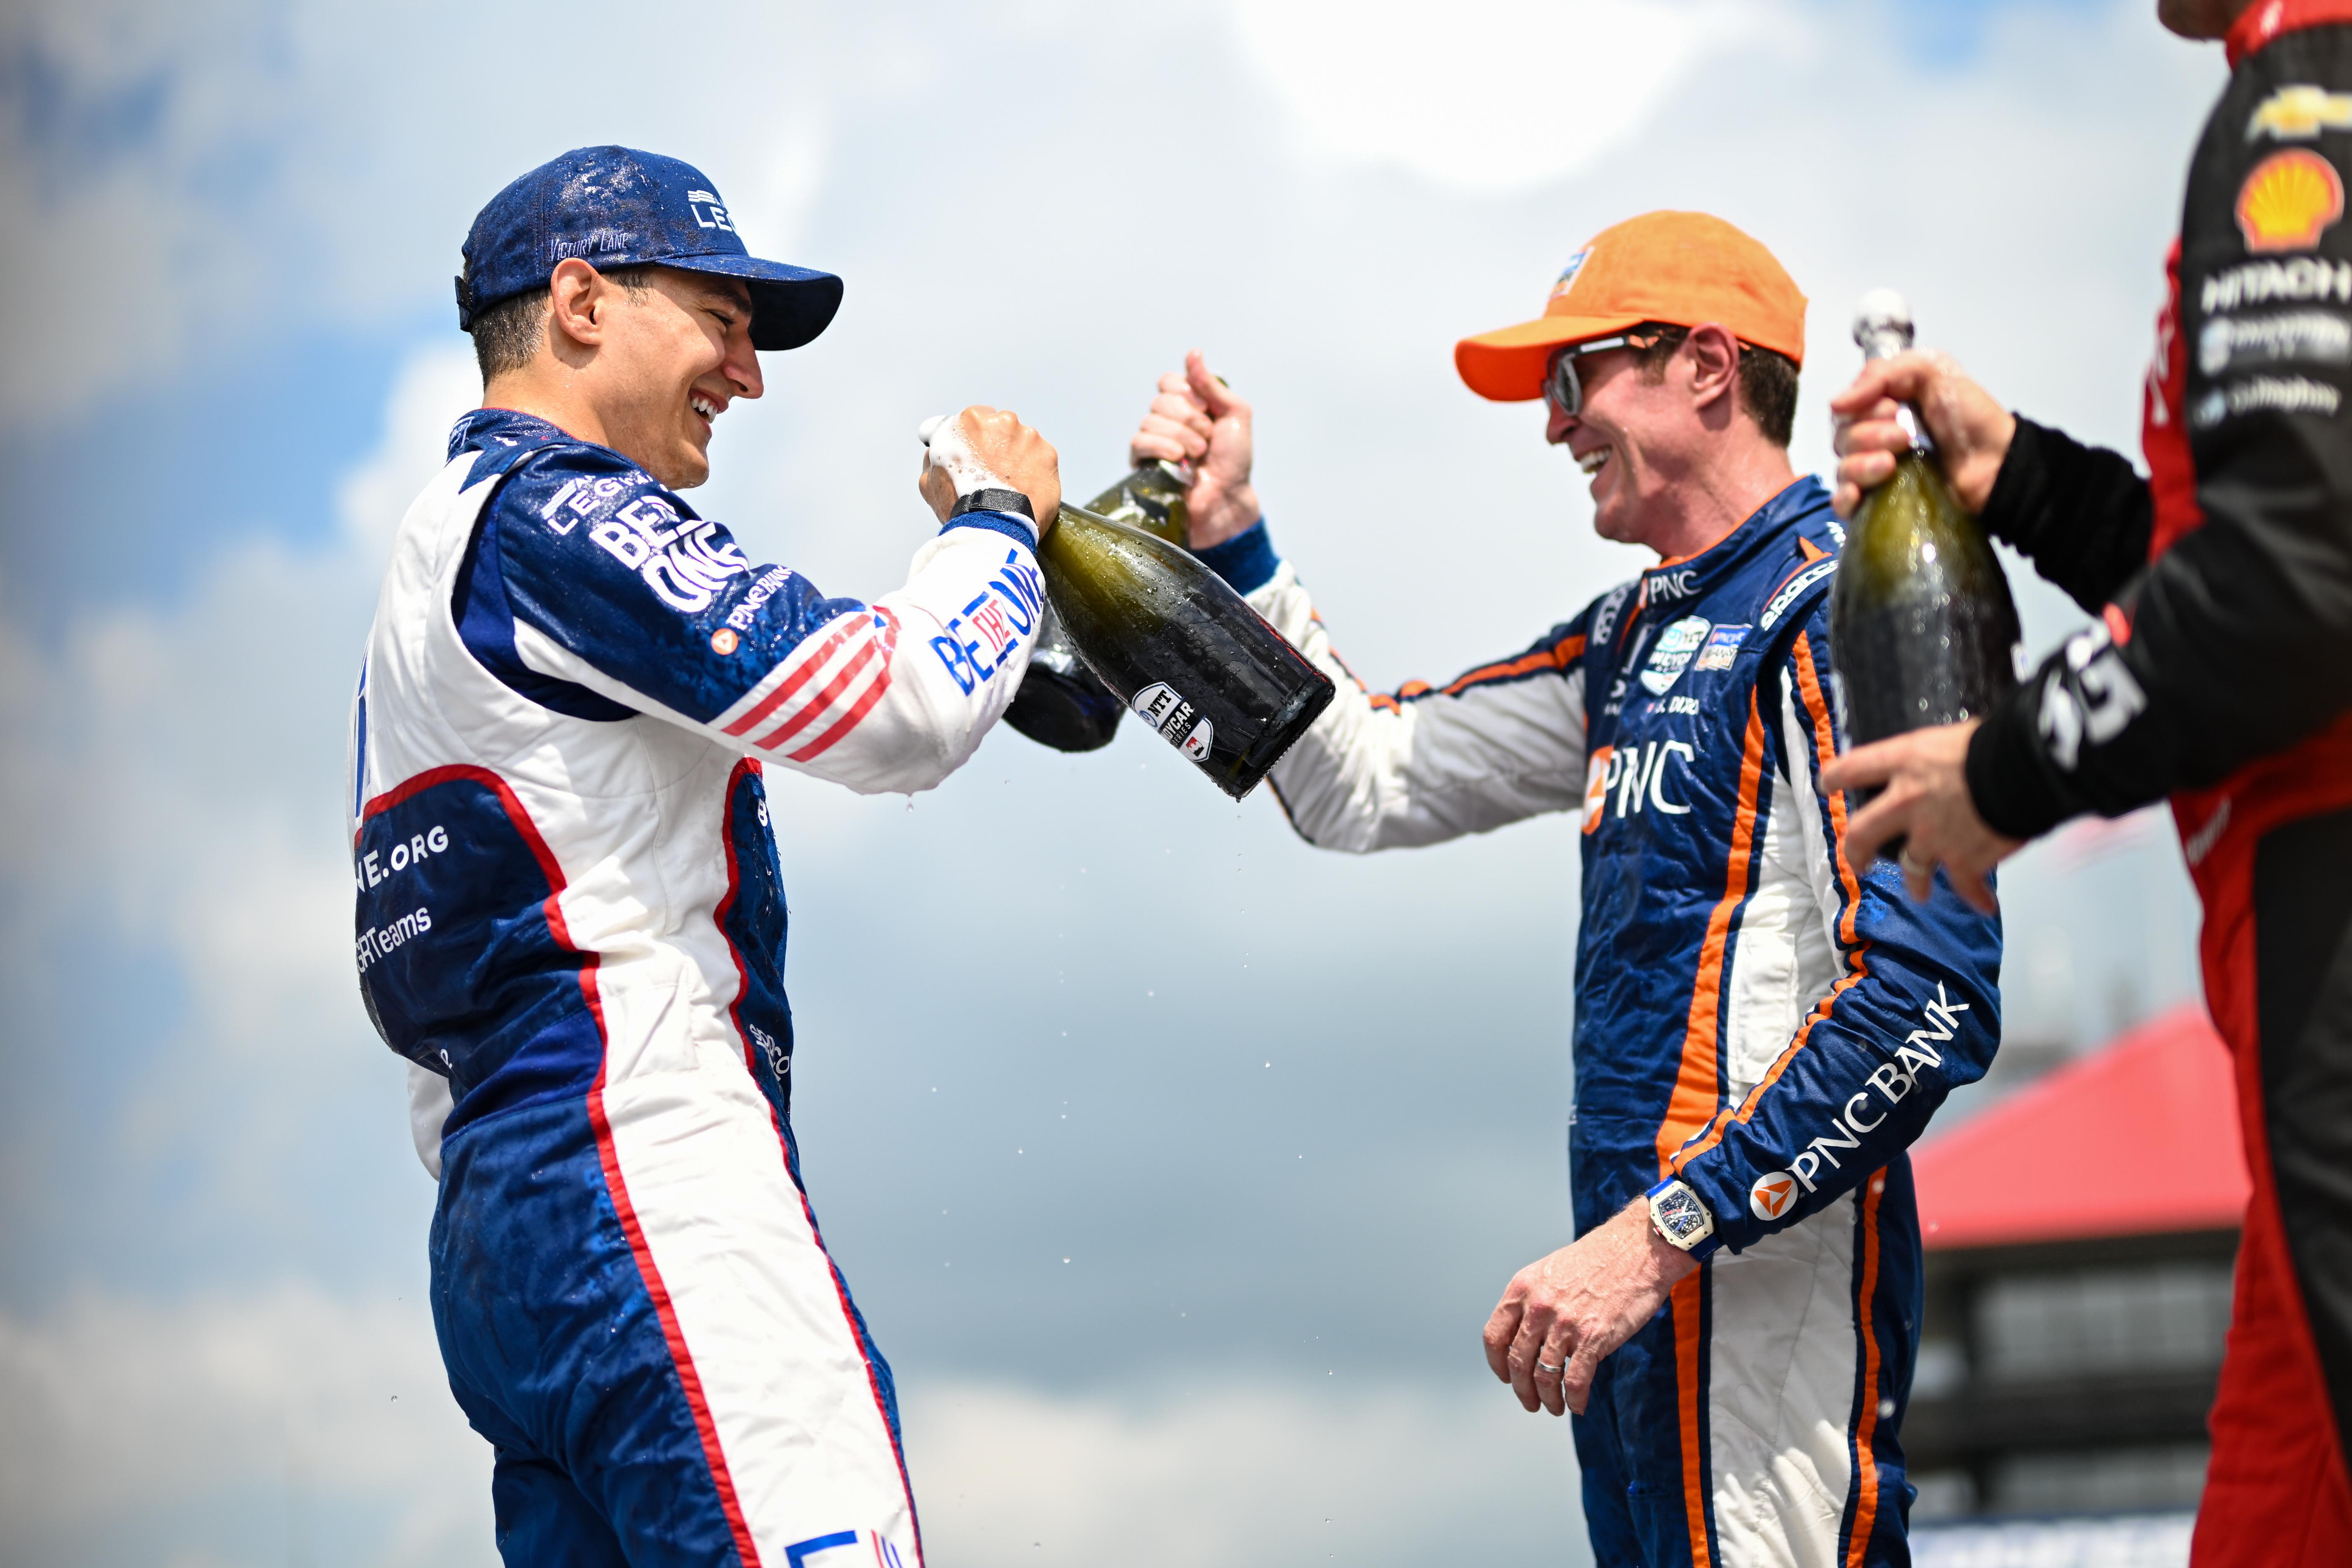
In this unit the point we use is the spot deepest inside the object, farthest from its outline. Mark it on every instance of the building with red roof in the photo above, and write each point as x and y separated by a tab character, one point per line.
2080	1236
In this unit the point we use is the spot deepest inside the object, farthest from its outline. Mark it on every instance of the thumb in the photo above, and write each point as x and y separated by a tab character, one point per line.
1212	393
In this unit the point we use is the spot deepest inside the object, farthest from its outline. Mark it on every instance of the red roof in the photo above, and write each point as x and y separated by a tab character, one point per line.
2140	1137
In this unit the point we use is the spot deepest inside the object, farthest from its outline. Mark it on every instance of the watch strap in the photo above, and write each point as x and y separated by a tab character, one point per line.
993	500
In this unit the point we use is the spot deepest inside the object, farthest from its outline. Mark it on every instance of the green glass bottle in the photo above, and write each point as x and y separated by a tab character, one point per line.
1151	499
1178	647
1062	703
1922	627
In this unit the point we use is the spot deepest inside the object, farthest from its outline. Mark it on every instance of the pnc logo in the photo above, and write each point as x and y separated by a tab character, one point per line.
1772	1194
1596	787
1663	587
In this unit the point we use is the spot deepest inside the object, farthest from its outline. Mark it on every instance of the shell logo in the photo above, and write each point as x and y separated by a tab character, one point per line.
1772	1194
2289	201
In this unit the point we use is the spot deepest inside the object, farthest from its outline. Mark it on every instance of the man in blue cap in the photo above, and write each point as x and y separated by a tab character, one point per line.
570	917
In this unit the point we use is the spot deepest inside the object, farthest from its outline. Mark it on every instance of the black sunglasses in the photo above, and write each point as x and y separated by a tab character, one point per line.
1565	392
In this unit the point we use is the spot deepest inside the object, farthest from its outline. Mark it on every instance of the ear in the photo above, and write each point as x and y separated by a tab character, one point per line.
1714	362
576	303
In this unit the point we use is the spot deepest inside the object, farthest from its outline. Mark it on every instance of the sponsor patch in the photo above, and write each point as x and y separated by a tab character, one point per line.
2258	282
1178	721
1568	273
2299	111
1675	645
748	610
1939	1024
1596	787
1793	590
2318	337
2289	201
1637	777
2110	697
674	554
1604	619
1666	587
1772	1195
578	497
1722	649
724	641
2265	394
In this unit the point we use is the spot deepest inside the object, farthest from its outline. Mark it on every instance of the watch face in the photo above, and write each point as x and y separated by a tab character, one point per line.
1679	1214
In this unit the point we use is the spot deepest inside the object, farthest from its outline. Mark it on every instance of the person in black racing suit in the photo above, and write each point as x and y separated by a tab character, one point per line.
2219	672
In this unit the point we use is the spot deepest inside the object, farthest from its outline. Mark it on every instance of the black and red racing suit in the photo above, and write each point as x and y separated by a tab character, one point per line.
2220	673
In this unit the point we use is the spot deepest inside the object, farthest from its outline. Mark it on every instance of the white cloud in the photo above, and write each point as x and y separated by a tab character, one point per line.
124	1414
192	754
1245	1472
216	174
433	386
175	777
1488	96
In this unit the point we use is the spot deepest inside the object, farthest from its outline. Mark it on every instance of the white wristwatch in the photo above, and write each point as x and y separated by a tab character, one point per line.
1677	1214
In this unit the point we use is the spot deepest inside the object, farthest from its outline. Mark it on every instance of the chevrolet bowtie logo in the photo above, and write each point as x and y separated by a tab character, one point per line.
2300	112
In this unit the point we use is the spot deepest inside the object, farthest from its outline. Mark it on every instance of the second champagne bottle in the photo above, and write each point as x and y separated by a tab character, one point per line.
1181	649
1062	703
1174	643
1922	627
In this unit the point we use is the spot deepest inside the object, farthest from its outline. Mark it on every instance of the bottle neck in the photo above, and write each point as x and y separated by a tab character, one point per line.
1885	343
1916	429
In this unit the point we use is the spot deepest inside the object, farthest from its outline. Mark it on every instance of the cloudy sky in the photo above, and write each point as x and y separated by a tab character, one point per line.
1178	1182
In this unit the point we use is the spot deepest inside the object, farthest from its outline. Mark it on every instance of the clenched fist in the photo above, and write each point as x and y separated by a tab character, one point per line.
990	449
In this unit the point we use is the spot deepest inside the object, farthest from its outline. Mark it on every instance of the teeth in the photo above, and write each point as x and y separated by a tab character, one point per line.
705	407
1590	462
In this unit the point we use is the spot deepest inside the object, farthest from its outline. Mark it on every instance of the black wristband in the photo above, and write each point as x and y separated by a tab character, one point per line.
993	500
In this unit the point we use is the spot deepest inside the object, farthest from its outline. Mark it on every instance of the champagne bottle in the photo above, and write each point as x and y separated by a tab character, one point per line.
1151	499
1922	627
1174	643
1062	703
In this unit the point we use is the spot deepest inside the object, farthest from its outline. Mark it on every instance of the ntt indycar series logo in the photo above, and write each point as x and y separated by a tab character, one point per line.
1180	725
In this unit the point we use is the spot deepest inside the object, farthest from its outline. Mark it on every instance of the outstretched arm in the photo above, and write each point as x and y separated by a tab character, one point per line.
598	592
1379	770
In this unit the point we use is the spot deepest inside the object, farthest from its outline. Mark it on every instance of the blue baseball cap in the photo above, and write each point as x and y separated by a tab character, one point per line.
614	207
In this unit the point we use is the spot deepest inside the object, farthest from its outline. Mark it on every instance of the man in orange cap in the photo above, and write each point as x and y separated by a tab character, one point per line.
1761	1026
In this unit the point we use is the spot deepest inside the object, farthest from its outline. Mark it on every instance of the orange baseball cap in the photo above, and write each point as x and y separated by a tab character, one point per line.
1683	268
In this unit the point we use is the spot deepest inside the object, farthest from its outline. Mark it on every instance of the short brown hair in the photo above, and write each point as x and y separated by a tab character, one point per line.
507	334
1768	379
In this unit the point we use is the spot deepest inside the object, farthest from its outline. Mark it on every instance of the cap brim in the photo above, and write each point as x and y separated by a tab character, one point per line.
790	305
1509	364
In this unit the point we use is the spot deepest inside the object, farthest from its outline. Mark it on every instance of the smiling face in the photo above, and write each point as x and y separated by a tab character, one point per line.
676	353
1634	437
